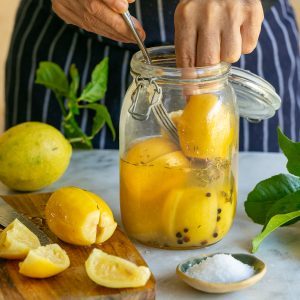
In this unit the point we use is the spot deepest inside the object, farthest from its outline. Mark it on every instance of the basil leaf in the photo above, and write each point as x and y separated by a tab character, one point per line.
266	193
274	223
96	89
52	77
102	116
285	205
292	151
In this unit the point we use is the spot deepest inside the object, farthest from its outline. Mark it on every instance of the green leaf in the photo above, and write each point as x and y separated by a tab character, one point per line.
96	89
102	116
75	135
285	205
275	222
75	81
291	151
52	77
267	193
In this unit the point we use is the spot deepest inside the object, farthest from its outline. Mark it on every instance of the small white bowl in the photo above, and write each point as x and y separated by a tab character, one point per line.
216	287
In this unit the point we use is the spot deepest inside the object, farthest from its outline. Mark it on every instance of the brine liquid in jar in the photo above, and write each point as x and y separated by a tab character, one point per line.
183	195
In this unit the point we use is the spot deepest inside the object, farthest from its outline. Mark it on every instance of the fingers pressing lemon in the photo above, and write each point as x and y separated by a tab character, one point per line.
17	240
79	217
44	262
115	272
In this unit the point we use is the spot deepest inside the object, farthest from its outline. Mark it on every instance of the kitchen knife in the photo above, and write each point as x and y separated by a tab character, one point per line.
9	214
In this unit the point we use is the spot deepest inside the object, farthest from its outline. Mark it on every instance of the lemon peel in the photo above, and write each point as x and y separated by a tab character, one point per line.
44	262
115	272
16	240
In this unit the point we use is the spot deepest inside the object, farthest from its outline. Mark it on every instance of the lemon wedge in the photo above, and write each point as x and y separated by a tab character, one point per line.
16	241
115	272
79	217
44	262
106	228
106	224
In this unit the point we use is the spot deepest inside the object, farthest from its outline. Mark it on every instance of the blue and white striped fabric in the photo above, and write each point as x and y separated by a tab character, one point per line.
40	35
277	59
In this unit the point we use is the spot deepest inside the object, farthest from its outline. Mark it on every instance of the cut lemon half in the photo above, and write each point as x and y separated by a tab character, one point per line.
115	272
44	262
79	217
16	240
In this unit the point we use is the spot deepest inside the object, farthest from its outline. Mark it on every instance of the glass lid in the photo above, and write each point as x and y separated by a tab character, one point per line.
257	99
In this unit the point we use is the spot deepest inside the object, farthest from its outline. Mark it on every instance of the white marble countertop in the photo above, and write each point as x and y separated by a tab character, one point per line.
98	171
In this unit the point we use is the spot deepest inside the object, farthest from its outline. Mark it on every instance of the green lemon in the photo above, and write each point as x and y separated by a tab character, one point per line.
33	155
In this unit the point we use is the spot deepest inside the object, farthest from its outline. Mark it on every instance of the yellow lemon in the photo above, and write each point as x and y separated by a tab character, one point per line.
147	150
115	272
206	127
107	224
143	187
227	201
33	155
79	217
44	262
17	240
189	216
174	116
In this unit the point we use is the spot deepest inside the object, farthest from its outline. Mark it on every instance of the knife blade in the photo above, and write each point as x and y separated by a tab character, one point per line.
9	214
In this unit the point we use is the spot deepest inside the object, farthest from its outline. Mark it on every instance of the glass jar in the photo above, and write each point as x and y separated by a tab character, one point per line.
178	188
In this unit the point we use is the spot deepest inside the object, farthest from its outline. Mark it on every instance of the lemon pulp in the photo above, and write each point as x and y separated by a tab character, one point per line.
44	262
16	240
115	272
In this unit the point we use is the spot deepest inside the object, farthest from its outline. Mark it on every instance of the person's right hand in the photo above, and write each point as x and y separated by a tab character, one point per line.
102	17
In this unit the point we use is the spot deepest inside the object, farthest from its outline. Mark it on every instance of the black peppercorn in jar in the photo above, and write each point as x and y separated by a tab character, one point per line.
179	145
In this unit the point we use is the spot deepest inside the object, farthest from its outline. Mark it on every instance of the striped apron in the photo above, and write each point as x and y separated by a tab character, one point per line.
40	35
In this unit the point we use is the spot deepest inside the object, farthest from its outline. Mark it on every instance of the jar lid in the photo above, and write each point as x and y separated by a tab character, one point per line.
257	99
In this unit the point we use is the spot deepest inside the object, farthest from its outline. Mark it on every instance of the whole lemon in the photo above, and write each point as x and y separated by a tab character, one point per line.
33	155
79	217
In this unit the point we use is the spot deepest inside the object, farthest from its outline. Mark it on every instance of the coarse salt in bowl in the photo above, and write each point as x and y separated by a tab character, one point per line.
221	268
221	273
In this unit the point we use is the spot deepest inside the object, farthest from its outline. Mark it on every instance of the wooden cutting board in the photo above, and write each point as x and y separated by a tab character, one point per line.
74	282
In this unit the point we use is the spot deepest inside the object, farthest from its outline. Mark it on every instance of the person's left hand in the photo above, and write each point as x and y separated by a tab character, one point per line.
210	31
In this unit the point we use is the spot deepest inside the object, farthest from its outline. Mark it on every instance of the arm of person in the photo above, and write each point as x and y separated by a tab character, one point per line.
210	31
99	16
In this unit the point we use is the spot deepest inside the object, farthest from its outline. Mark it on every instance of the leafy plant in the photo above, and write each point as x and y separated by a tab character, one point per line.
275	202
71	104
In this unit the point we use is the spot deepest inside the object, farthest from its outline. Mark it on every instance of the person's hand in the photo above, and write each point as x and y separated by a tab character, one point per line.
210	31
102	17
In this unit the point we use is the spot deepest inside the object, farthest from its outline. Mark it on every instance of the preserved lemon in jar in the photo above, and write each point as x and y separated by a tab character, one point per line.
178	153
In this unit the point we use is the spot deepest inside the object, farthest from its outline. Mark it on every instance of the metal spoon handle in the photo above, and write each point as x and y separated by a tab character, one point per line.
128	20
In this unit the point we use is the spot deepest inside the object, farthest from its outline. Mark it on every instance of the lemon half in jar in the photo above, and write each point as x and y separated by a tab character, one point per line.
206	127
145	183
189	216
